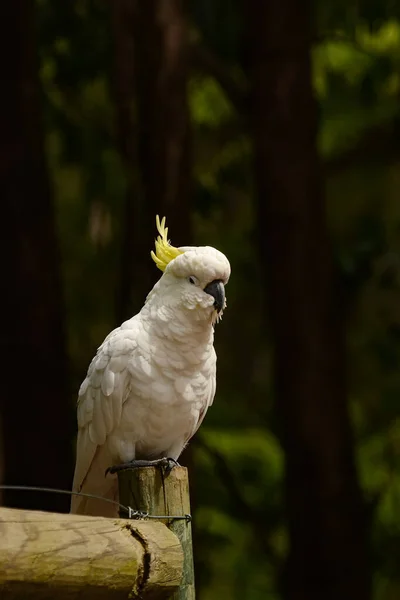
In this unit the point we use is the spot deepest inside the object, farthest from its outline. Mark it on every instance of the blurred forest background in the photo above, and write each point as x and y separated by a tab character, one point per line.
240	121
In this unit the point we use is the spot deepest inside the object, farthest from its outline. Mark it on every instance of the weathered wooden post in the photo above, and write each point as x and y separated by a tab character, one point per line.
151	490
46	556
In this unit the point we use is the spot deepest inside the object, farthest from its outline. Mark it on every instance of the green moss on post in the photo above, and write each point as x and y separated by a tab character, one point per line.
150	490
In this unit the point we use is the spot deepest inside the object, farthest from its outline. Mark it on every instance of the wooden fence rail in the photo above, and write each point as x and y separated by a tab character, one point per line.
49	556
53	556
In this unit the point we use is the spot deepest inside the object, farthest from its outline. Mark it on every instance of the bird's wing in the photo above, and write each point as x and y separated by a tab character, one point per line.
101	397
207	389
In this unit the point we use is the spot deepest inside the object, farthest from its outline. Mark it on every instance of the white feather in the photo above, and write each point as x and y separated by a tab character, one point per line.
152	380
107	382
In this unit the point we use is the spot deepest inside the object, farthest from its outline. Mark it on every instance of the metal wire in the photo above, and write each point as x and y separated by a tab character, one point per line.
132	513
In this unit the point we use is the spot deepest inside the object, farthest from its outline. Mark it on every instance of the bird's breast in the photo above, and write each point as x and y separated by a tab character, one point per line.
168	388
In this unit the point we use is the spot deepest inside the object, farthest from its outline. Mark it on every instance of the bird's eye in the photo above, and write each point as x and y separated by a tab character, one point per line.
192	280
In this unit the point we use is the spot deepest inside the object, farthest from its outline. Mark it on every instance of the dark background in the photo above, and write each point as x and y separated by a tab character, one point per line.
271	131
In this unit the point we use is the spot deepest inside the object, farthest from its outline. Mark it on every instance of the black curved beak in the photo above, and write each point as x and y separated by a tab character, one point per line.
216	289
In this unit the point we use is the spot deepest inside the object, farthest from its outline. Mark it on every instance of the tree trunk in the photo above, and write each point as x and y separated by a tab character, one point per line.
36	416
327	556
150	78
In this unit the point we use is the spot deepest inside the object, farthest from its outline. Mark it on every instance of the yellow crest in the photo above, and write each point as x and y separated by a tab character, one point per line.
164	251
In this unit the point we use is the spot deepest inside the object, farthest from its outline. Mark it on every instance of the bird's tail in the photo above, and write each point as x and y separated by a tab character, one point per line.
97	484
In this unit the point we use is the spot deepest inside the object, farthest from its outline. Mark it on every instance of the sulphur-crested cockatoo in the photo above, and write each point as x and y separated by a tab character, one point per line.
152	380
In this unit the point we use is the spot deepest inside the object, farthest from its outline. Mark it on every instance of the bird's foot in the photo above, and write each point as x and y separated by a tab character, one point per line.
167	463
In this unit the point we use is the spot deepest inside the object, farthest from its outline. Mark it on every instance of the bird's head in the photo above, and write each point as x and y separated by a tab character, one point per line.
193	277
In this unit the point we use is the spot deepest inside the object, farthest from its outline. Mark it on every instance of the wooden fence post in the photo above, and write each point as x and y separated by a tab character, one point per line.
150	490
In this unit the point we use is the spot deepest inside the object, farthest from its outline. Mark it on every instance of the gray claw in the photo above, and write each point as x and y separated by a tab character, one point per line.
167	463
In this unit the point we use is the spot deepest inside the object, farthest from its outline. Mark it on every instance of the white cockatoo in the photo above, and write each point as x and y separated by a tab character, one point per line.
152	380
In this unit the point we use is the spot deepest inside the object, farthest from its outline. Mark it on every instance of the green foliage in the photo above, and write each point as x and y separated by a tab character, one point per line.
357	81
247	520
